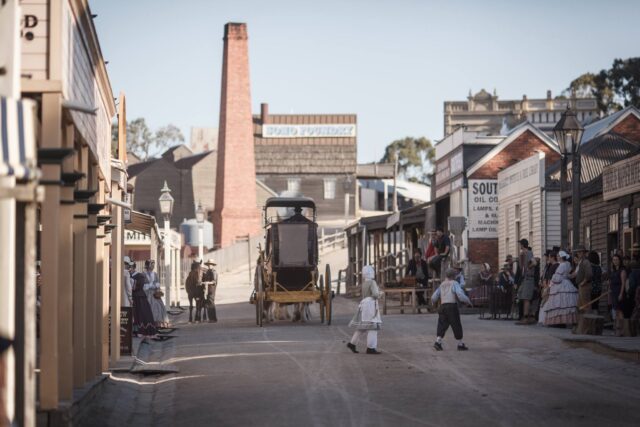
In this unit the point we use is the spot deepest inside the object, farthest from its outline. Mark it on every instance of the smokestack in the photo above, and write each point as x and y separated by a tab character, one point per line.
236	212
264	113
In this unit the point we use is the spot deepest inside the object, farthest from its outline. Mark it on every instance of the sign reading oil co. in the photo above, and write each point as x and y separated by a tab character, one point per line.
483	208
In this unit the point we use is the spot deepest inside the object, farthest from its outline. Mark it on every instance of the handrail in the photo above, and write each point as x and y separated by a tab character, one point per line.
330	241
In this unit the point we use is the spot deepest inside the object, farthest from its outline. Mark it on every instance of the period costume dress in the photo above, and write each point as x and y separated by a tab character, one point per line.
142	316
367	320
561	306
158	308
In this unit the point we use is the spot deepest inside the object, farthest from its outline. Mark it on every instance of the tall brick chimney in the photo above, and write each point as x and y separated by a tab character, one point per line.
236	212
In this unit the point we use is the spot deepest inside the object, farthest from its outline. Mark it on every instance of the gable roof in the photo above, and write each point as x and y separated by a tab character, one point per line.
605	124
512	136
595	155
190	161
137	168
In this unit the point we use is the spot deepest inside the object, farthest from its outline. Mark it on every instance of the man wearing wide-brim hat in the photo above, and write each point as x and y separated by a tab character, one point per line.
210	281
582	276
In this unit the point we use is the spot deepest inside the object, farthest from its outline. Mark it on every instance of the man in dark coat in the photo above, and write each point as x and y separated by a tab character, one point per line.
418	268
210	283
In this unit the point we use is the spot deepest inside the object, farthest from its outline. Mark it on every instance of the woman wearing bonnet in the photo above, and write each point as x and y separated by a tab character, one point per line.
367	320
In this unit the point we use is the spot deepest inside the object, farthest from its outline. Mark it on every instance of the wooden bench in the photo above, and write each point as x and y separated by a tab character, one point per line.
406	294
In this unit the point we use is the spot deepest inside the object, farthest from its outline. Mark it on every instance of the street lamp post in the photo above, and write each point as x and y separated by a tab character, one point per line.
200	219
166	208
568	132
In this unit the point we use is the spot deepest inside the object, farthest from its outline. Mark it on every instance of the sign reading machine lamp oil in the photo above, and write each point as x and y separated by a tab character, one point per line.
483	209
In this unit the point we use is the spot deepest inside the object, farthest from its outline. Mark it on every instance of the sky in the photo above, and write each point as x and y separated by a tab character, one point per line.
391	62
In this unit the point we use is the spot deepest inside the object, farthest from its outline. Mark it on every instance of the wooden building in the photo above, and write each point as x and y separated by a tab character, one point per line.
311	155
610	201
466	184
528	207
191	178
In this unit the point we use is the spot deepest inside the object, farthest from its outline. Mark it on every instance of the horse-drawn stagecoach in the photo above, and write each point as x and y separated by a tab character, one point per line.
287	266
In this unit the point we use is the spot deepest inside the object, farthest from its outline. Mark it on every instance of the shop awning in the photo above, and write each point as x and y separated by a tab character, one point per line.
141	222
17	139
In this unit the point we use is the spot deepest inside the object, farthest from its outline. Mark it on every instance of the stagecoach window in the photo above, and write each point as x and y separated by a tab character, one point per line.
293	244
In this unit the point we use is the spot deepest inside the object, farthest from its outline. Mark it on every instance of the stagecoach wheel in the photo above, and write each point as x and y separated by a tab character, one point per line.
259	288
322	305
328	294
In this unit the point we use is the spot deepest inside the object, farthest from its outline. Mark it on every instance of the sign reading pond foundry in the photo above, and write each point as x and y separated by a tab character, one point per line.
309	131
483	209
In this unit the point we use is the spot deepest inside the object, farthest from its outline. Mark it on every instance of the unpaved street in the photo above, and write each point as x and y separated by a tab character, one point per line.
234	373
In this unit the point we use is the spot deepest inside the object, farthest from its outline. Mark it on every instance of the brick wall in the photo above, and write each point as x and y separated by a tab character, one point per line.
484	250
629	128
522	147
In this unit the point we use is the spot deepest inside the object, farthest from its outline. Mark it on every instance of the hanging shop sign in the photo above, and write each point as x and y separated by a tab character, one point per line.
621	178
309	131
483	208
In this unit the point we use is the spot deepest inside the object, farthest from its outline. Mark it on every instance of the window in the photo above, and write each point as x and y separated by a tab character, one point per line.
517	212
625	217
293	185
613	223
530	217
637	217
329	188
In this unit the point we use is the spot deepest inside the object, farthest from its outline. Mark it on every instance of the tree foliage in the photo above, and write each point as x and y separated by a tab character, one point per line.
145	143
415	157
614	89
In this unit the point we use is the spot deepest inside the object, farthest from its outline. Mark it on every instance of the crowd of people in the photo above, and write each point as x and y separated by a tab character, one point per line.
556	289
142	294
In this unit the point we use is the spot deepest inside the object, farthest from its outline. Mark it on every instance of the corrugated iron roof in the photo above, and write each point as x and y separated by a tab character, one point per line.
595	155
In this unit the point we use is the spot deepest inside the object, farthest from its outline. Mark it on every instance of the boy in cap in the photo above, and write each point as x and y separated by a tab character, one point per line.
449	293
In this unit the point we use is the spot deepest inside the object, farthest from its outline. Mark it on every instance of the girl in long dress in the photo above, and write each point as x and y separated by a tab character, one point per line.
152	289
142	316
367	320
561	305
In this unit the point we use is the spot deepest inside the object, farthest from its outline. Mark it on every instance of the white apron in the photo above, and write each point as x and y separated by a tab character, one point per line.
368	316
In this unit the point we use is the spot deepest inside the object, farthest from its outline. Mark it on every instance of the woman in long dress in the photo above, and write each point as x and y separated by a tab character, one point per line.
367	320
561	305
154	295
142	315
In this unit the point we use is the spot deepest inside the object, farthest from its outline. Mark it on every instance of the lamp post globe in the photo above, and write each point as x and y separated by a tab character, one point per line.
200	214
166	201
568	133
